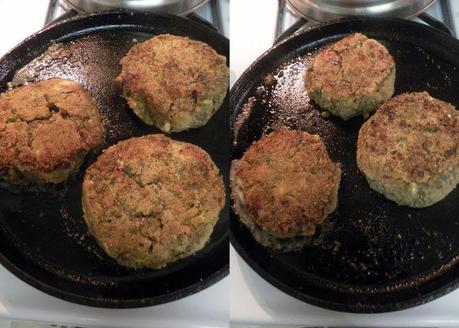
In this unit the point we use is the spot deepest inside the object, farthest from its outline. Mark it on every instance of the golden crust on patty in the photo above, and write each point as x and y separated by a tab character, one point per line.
286	184
46	130
351	77
173	82
408	150
152	200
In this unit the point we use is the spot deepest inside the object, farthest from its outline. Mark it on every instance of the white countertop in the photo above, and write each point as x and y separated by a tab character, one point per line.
252	299
19	301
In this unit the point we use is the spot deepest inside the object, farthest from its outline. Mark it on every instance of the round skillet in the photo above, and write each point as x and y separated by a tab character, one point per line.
373	256
43	239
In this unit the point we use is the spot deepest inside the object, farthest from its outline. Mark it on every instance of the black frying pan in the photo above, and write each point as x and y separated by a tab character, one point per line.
43	239
376	256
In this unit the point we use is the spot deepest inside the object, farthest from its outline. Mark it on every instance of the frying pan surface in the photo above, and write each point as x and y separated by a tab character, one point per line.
43	239
373	256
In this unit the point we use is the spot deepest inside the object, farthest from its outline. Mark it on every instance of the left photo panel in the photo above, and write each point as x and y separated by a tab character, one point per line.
114	163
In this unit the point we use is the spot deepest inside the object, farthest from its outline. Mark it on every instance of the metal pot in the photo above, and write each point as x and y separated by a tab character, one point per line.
177	7
324	10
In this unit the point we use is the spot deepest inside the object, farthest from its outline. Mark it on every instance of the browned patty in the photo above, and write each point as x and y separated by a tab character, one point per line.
46	130
174	82
286	184
408	150
351	77
151	200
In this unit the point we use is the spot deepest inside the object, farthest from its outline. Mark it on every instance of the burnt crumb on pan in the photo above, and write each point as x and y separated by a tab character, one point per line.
268	79
260	90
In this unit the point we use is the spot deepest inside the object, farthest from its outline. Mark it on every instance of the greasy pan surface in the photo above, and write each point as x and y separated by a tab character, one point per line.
43	239
375	256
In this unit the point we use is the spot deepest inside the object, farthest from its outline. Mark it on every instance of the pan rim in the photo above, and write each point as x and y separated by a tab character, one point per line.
241	91
104	302
336	306
110	302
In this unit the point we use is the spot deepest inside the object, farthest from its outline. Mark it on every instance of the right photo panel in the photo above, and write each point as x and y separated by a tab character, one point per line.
344	163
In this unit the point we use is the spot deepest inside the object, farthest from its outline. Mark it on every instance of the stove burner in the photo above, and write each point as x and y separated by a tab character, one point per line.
302	23
56	5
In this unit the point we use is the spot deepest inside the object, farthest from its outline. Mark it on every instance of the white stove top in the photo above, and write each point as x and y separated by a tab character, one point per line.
19	301
252	299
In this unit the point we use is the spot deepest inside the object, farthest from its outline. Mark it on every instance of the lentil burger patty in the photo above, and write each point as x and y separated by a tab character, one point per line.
351	77
173	82
46	130
151	200
408	150
283	187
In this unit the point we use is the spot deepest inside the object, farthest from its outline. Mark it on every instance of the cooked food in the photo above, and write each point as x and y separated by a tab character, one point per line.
173	82
283	187
149	201
408	150
46	130
351	77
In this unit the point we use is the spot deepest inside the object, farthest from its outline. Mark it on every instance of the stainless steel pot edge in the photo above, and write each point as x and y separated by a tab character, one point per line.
308	10
177	7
